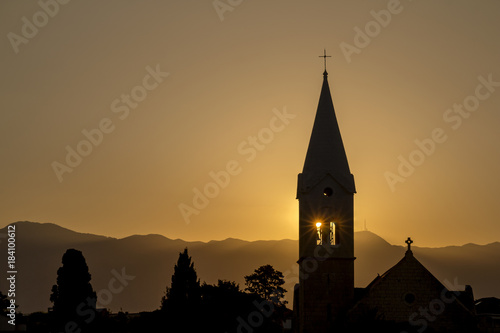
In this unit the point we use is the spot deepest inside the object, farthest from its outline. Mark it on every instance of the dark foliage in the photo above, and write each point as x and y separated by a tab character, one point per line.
182	298
184	291
190	307
4	303
266	282
186	307
73	296
225	308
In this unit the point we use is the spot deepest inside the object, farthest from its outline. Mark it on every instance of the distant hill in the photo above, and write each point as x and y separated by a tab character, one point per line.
151	259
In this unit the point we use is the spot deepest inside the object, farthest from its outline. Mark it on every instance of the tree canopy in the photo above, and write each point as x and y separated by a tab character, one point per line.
73	289
266	282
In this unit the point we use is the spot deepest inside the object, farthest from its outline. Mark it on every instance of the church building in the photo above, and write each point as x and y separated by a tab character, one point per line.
407	298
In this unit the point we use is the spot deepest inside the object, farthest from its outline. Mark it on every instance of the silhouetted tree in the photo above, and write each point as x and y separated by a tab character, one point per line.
224	291
227	287
184	291
222	304
73	295
266	282
181	303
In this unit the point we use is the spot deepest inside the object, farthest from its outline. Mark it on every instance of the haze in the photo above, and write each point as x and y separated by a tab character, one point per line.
233	77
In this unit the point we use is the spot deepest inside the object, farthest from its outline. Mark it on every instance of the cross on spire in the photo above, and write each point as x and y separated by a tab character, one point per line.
409	242
324	56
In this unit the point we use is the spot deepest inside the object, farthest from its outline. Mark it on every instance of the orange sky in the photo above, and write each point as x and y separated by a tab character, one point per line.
232	73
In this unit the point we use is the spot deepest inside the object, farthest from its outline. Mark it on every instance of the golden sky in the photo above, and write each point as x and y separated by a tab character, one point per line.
161	96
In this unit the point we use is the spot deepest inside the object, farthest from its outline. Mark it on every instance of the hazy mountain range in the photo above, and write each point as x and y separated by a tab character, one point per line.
150	260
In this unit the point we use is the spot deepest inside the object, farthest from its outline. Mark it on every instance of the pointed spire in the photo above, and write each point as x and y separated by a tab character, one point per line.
326	154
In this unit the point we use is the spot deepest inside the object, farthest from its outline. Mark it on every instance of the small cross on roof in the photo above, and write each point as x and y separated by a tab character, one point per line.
409	242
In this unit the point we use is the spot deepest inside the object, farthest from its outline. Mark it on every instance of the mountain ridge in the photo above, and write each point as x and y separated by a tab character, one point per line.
150	259
237	239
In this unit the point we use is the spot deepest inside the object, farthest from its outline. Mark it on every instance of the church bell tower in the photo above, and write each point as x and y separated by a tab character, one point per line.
326	242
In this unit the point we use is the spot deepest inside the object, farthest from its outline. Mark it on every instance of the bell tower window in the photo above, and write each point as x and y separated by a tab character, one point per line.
332	233
325	233
318	233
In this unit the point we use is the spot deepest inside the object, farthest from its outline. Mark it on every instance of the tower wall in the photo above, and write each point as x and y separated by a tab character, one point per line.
326	293
326	281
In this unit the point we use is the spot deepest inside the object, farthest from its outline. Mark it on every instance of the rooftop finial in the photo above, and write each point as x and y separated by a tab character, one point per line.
409	242
324	56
